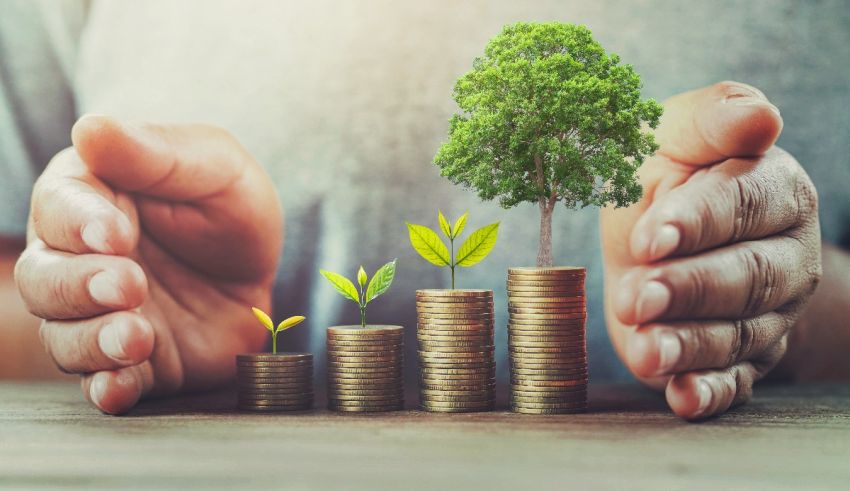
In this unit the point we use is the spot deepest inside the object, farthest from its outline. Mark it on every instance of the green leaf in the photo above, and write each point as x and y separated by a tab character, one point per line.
444	225
343	285
478	245
361	277
289	322
264	318
381	281
428	244
460	224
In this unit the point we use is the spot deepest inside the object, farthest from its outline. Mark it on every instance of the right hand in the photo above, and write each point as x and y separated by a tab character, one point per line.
147	245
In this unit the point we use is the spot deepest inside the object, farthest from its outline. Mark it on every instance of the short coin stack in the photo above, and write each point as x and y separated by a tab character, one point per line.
275	382
365	368
546	340
456	362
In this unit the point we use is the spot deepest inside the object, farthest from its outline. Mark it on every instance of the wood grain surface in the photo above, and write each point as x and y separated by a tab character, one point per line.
789	437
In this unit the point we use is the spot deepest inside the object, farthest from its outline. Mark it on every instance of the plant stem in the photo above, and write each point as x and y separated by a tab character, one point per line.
274	343
452	257
362	315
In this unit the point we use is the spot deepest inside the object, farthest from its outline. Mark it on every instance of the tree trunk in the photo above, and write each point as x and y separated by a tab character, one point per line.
544	250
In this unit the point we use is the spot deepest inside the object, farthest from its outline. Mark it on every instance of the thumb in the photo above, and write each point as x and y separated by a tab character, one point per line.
725	120
698	128
172	162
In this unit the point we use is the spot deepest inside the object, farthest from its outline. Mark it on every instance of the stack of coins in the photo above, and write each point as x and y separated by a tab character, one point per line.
275	382
456	363
546	340
365	368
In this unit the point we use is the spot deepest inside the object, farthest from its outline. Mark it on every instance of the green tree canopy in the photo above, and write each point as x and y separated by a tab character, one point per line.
548	116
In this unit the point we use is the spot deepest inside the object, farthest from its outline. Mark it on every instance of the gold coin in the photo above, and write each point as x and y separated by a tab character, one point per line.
577	380
545	317
279	357
548	391
557	350
367	409
460	386
532	296
429	405
276	401
465	348
338	397
362	347
365	358
523	371
462	371
455	308
547	287
349	372
478	353
475	316
454	293
480	338
531	339
546	325
365	403
554	270
455	392
549	405
365	382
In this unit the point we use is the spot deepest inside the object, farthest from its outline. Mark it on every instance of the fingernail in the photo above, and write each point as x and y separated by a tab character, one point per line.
704	394
111	339
95	236
652	301
666	241
104	289
97	389
669	350
750	99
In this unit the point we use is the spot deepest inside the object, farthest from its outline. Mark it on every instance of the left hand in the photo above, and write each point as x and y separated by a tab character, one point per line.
708	273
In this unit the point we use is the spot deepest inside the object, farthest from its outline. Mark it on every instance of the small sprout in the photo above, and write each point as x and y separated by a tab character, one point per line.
379	284
285	324
473	250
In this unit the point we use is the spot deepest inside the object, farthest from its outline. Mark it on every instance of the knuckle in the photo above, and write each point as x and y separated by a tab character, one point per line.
765	279
749	207
805	195
744	341
743	385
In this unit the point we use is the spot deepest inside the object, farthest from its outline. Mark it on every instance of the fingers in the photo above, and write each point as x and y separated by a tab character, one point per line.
116	391
59	285
738	281
727	119
733	201
106	342
176	162
656	350
72	211
697	395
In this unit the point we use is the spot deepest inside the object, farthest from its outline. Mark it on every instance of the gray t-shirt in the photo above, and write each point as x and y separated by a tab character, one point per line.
345	103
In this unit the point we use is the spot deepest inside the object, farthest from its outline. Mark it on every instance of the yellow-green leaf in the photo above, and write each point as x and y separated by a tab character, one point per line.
478	245
459	225
428	244
290	322
444	224
381	281
264	318
342	284
361	277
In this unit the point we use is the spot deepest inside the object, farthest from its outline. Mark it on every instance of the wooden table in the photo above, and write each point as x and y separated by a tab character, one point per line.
792	437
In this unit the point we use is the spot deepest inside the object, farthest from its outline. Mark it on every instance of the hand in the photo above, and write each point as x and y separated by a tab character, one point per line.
706	276
147	246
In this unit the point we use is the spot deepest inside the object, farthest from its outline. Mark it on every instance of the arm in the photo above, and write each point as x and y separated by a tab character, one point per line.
817	348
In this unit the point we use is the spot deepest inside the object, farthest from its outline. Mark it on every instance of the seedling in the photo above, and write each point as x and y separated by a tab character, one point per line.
473	250
285	324
548	116
379	284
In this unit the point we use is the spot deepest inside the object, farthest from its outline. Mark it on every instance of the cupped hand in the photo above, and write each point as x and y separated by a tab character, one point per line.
706	276
147	245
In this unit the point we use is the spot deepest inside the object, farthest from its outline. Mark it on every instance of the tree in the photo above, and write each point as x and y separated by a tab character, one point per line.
548	116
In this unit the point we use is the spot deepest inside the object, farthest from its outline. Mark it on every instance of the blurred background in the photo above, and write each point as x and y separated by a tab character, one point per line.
345	104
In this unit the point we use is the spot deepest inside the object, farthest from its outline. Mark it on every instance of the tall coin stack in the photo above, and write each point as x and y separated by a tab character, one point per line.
456	362
275	382
365	368
546	340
